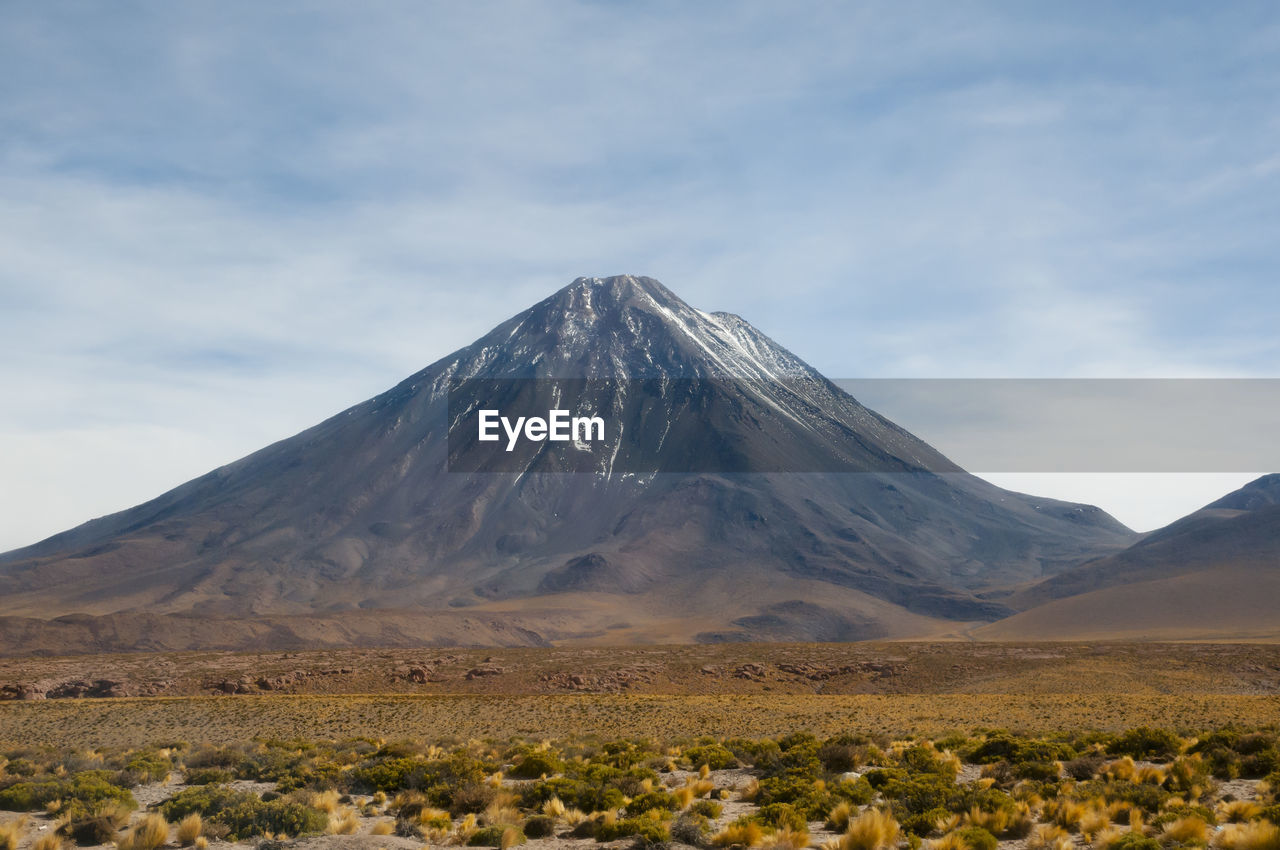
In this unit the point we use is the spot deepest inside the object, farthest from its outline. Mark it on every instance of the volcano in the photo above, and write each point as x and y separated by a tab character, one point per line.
791	512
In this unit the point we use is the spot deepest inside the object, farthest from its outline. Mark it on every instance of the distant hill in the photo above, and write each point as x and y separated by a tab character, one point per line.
1214	574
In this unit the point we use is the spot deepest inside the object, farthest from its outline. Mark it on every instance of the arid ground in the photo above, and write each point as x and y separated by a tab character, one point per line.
728	689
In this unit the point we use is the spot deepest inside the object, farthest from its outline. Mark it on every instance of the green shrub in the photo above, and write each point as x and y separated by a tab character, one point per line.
539	826
206	757
648	828
857	791
692	828
800	790
491	836
1083	768
574	793
761	755
922	759
977	838
209	776
470	799
146	767
1260	763
243	813
714	756
625	754
919	801
1006	747
1255	742
1147	797
779	815
1041	771
534	765
707	808
1145	742
1133	841
79	794
654	800
882	776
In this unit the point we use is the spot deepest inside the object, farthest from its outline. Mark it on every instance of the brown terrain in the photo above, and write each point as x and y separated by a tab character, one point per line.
754	688
866	668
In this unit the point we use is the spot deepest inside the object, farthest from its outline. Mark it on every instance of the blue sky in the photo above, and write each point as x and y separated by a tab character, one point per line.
220	223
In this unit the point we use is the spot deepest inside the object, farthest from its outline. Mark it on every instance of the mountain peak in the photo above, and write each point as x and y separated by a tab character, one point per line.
626	327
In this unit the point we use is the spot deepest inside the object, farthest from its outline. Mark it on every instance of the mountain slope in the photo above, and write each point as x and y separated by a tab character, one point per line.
1212	574
361	512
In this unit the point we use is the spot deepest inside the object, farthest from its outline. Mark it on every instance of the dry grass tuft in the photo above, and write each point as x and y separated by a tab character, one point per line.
554	808
189	829
1047	836
1186	830
383	827
325	801
496	815
48	841
749	834
1065	813
872	830
1258	835
1238	811
465	828
786	838
1122	770
838	817
147	834
345	821
949	841
1095	819
1106	837
10	833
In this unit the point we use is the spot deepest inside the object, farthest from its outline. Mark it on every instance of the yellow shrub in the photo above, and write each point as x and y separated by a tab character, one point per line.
786	838
1238	811
10	833
344	822
189	829
1046	835
872	830
1095	819
949	841
838	817
748	834
1188	830
1122	769
147	834
1257	835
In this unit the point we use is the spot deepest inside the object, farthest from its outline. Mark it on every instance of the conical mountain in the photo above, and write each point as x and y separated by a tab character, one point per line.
755	500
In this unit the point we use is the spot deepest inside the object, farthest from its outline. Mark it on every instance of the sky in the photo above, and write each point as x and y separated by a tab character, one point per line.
222	223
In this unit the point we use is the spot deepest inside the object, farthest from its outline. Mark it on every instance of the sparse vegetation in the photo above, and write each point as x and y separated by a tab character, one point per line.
1106	791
